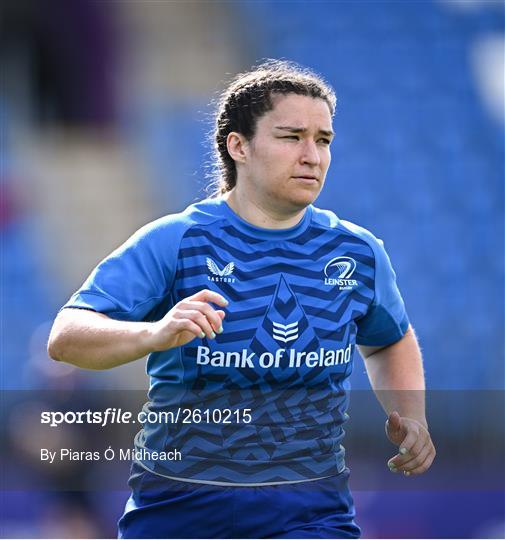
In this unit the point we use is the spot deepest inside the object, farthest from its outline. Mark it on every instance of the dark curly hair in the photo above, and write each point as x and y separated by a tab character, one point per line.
247	98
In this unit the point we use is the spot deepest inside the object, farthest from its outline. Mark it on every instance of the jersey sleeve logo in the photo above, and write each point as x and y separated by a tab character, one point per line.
338	271
218	273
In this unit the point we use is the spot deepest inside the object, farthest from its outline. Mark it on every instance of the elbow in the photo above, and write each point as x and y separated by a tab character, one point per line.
60	338
54	348
63	346
58	342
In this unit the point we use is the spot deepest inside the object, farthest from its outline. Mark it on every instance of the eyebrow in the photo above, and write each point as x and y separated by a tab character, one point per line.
303	130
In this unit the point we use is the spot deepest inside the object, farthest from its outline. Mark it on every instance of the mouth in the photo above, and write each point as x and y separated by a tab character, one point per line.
307	178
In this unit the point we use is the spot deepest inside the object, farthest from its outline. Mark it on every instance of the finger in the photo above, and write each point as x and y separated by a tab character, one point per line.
393	428
424	466
411	439
392	464
422	441
400	460
221	315
206	295
187	325
417	460
212	316
393	423
200	319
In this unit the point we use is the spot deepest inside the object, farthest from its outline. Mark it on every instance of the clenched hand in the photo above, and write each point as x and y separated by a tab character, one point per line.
192	317
416	450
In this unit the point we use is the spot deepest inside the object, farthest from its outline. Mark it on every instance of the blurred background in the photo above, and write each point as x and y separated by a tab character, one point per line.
105	110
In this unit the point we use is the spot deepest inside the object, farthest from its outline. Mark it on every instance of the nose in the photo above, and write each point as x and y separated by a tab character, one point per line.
310	153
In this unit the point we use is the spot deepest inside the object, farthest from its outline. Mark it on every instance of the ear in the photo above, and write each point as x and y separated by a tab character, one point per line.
237	146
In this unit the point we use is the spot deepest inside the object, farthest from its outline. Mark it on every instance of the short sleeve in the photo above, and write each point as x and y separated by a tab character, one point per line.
137	276
386	320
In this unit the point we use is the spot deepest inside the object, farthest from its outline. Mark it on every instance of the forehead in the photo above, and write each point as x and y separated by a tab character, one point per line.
298	111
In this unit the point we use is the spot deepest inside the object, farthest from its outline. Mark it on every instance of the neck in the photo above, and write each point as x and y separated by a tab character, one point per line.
261	215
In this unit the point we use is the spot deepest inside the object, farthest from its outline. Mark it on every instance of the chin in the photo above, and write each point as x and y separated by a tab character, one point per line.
302	198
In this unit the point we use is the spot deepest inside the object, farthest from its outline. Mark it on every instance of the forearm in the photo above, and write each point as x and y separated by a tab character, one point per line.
94	341
397	377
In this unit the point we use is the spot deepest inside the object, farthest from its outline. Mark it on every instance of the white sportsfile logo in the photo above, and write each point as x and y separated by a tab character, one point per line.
345	267
285	332
218	274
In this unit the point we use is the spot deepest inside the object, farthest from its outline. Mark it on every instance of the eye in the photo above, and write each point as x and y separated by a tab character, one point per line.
291	137
325	141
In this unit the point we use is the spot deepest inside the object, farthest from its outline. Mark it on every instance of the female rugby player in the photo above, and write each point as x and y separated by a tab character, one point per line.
249	305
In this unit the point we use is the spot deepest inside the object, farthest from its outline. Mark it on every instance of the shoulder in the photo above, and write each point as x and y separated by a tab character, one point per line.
174	226
329	220
363	234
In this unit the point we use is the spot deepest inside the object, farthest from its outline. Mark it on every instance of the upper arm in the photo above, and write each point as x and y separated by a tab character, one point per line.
386	320
367	350
67	323
70	314
70	319
136	277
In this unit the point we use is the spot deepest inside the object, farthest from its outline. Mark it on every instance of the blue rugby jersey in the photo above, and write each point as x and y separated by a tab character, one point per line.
299	301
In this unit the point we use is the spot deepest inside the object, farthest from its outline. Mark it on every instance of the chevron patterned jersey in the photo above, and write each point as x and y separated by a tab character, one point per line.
265	401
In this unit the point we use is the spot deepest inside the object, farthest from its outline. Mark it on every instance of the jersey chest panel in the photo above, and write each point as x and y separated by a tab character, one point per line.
292	314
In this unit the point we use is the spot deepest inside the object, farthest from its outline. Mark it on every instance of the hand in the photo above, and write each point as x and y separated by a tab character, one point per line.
189	318
416	448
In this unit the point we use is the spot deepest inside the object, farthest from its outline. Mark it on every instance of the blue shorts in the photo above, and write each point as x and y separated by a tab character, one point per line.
164	508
